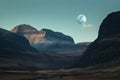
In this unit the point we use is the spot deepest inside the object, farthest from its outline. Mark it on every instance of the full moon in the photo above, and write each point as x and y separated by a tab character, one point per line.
81	18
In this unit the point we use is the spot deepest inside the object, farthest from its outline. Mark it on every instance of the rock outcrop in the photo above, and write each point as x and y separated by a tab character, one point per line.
107	46
43	39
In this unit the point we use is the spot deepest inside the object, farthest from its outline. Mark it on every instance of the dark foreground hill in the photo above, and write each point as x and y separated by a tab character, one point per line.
106	47
13	42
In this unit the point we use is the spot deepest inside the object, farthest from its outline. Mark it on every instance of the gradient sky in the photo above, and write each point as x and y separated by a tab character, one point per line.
58	15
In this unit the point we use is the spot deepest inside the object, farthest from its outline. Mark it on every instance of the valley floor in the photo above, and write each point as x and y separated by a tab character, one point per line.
69	74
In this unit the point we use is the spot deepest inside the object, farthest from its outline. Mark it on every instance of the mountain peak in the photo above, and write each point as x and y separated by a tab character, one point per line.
110	26
44	29
23	28
43	38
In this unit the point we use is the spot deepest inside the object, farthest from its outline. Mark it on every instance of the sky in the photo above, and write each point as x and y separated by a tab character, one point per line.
58	15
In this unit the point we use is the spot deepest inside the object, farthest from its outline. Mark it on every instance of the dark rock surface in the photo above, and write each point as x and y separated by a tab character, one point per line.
17	54
110	26
12	41
107	46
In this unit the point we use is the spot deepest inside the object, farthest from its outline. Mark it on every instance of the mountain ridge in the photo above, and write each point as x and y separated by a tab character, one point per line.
17	54
44	38
106	47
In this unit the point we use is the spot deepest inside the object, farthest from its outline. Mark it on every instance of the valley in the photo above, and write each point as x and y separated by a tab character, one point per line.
30	54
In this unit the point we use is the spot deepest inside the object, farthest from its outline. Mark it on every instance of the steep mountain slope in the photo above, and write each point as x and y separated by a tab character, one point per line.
107	46
14	50
43	39
17	54
12	41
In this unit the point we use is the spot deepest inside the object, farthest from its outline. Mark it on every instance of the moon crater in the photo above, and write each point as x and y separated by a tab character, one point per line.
81	18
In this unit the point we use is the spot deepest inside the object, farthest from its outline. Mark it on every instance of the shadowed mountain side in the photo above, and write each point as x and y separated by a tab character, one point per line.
12	41
33	61
107	46
44	39
48	40
17	54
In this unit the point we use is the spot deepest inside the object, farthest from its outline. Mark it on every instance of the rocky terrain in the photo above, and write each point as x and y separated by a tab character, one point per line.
44	39
18	54
106	47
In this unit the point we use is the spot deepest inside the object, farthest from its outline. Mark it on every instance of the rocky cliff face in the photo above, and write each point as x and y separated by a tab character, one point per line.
30	33
43	39
107	46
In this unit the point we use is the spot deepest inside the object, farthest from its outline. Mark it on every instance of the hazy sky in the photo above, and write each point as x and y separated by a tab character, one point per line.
58	15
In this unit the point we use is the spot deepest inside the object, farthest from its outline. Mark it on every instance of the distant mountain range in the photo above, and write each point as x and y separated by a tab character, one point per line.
46	39
52	50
